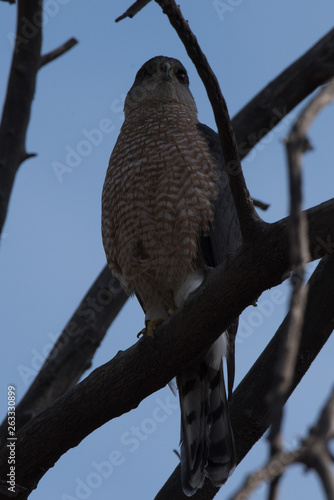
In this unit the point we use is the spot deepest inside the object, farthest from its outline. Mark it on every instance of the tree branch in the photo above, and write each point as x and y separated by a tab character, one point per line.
142	369
59	51
281	95
26	62
271	471
133	10
250	222
260	204
317	454
312	446
20	93
271	105
297	144
72	353
249	408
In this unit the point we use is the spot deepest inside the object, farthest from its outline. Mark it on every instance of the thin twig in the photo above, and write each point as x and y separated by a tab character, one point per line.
59	51
297	144
260	204
248	218
133	10
273	469
318	454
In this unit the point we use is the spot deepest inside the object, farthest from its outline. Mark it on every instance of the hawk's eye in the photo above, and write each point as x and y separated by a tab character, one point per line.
182	76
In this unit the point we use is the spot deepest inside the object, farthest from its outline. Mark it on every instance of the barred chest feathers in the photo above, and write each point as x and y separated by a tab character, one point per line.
158	193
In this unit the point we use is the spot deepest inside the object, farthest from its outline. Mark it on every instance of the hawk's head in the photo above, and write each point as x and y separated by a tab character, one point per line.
160	80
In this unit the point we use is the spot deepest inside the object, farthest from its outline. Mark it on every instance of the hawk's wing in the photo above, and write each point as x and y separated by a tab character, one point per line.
225	235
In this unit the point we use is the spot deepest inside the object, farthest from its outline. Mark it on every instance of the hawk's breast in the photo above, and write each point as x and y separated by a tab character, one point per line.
157	197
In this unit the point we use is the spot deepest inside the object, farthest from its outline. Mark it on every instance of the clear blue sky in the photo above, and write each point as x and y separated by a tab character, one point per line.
51	250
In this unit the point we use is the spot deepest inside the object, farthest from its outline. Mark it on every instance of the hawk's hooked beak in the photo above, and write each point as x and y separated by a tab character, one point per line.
166	72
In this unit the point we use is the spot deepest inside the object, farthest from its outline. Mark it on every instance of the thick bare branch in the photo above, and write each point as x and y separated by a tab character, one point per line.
142	369
250	409
72	354
26	62
59	51
271	105
279	97
250	222
20	93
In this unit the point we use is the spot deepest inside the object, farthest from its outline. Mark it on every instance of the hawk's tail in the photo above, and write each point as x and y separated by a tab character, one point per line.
207	444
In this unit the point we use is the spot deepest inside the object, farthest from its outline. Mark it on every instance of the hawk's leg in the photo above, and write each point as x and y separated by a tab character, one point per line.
150	326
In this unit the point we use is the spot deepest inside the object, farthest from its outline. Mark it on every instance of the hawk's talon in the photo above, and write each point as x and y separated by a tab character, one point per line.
151	326
141	333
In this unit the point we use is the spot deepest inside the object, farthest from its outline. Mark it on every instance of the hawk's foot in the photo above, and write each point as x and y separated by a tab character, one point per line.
150	327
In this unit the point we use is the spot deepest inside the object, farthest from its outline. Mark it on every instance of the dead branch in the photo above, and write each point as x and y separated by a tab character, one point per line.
272	104
273	468
133	10
317	454
250	222
59	51
296	145
313	453
26	62
72	353
250	409
281	95
20	93
260	204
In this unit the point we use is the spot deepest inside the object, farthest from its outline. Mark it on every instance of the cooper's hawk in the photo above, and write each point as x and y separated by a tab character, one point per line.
168	216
